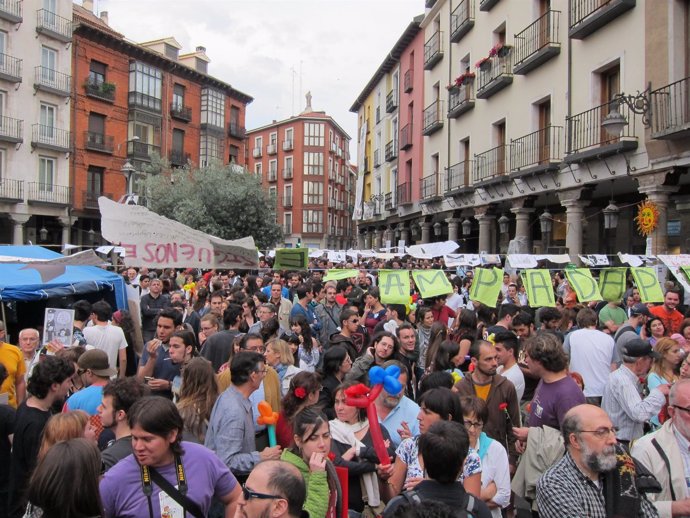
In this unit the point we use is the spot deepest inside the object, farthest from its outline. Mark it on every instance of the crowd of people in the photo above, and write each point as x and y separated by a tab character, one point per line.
567	411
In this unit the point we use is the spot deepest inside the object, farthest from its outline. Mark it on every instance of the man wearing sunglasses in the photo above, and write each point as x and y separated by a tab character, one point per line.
274	489
665	453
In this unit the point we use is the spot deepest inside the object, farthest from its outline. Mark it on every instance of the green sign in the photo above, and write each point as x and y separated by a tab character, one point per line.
647	284
336	275
612	283
584	285
539	288
394	286
486	286
432	283
291	259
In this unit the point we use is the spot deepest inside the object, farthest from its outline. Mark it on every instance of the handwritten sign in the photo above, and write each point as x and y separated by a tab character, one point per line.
647	284
394	286
291	259
486	286
539	288
583	283
612	283
153	240
336	275
431	283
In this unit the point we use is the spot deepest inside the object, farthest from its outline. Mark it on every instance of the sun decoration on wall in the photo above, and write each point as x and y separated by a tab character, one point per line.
647	217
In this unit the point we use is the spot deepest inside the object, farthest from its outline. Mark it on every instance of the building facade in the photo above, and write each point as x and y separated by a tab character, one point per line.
134	101
533	130
303	163
35	132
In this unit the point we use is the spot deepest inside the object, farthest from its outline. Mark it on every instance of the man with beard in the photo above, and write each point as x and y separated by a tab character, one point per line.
48	386
585	482
398	413
155	367
274	489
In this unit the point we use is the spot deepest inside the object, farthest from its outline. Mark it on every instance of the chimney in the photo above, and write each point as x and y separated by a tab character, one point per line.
104	17
201	49
88	5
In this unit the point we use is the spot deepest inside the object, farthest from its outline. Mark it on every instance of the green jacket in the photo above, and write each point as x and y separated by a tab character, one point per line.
318	490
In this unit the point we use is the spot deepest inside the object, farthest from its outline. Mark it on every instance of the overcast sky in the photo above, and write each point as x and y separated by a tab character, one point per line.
255	44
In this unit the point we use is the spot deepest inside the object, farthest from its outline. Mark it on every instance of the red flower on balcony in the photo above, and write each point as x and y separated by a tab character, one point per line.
481	62
495	49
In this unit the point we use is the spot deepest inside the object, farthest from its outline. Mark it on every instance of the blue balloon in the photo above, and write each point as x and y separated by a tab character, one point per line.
376	375
393	371
392	385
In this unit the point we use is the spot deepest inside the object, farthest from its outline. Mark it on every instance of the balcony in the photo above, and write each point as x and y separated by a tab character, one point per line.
90	199
458	176
49	194
377	158
181	112
428	188
50	24
391	150
51	81
287	173
271	149
10	68
288	145
11	130
495	74
101	90
377	207
236	130
272	175
408	80
98	142
257	152
487	5
433	52
49	137
406	137
433	118
588	140
11	10
404	193
331	203
671	110
146	102
461	20
389	201
339	152
391	101
11	190
461	99
287	201
178	158
141	150
537	152
588	16
537	43
490	164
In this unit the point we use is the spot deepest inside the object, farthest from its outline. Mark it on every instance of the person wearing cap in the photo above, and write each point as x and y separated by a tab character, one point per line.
96	372
622	400
639	313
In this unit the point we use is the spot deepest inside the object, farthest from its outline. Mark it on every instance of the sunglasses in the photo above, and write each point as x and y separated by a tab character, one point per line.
248	494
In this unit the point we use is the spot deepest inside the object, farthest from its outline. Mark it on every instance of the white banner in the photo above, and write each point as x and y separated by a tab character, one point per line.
85	258
156	241
452	260
522	261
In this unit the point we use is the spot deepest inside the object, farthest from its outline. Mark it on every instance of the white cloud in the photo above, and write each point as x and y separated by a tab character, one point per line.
255	44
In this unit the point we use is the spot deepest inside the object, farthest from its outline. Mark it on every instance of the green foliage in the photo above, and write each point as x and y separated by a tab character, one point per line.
222	201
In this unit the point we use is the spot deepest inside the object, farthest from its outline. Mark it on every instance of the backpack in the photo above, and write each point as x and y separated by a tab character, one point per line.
470	508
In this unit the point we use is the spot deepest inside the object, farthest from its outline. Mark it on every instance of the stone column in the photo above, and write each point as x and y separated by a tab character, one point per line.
404	234
657	193
66	223
574	212
485	223
377	239
426	232
18	220
522	226
361	241
453	226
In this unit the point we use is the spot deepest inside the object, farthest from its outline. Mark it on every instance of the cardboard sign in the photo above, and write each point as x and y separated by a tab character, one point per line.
647	284
486	286
539	288
394	286
612	283
291	259
583	284
432	283
336	275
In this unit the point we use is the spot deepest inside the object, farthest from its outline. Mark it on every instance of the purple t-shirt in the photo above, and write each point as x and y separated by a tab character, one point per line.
122	492
552	401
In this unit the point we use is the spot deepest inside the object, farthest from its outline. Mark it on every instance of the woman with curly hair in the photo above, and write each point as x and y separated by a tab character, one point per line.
198	394
303	392
308	351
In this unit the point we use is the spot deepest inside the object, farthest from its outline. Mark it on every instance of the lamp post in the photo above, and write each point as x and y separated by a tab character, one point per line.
128	170
610	224
43	233
640	103
546	225
466	227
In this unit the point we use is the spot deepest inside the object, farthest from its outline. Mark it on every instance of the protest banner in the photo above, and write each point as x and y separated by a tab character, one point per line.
539	288
612	283
584	285
336	275
394	286
291	259
486	286
158	242
431	283
647	284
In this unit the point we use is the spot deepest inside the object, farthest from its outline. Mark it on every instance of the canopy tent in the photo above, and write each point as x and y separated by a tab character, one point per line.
35	281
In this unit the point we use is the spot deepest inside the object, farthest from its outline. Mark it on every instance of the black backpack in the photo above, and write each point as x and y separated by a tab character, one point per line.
470	509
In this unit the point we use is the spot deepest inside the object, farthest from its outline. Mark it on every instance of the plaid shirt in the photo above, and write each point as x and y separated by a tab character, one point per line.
565	492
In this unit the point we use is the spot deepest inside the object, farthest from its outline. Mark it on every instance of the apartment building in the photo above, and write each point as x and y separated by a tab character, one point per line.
533	129
303	163
133	101
35	86
390	151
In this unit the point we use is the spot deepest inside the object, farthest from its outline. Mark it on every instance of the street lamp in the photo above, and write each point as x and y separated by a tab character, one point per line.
546	225
92	236
503	224
466	227
611	216
43	233
128	170
640	103
437	229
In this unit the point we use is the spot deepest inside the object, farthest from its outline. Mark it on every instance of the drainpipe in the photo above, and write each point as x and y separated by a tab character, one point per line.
450	74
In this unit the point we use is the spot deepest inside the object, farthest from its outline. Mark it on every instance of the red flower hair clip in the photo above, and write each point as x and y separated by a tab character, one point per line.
300	393
331	456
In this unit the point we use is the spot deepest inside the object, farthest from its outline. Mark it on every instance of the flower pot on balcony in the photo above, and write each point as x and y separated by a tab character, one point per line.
503	51
485	66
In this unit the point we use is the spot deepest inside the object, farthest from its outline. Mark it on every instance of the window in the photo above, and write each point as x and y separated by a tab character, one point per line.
46	173
313	193
178	97
235	115
272	192
273	169
258	170
610	83
273	139
289	134
97	124
47	120
287	221
211	148
313	134
259	143
313	221
94	179
48	66
233	154
212	108
313	163
2	163
97	73
3	42
288	164
178	141
145	85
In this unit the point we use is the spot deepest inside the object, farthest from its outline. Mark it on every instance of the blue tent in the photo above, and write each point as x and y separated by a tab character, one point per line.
27	281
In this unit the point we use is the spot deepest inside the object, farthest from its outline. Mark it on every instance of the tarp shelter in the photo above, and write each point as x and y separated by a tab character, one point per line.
35	282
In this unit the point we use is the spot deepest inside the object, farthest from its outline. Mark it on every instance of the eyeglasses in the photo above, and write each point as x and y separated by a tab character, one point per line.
249	494
261	371
602	433
475	424
683	408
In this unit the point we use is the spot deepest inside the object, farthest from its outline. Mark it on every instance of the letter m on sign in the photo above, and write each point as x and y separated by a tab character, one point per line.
431	283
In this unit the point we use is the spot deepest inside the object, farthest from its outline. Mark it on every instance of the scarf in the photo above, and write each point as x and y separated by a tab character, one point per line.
345	433
281	369
620	493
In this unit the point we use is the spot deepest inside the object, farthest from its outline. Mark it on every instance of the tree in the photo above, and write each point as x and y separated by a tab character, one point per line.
224	201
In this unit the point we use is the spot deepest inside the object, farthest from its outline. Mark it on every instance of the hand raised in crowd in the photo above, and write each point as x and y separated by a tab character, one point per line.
317	462
153	346
54	346
272	453
404	432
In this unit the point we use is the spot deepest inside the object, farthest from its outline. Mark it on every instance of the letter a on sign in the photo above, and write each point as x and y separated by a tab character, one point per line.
647	284
612	283
539	288
394	286
486	285
431	283
291	258
583	283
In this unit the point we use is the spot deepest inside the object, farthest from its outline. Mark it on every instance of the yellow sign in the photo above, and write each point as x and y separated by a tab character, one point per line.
431	283
647	217
539	288
394	286
336	275
583	283
486	286
647	284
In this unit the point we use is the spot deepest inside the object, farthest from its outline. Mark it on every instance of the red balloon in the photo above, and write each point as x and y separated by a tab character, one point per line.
360	396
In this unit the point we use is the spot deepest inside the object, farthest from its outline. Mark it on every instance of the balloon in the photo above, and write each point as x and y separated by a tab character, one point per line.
269	418
392	385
